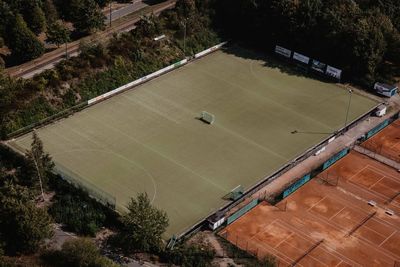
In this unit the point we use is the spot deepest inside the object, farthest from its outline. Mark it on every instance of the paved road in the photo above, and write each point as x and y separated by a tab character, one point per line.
124	11
48	61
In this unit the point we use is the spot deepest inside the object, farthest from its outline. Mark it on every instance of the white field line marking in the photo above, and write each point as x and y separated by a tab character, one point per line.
296	113
219	125
105	149
159	153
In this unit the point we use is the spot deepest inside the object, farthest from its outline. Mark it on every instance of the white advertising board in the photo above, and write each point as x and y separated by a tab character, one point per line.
302	58
333	72
283	51
318	66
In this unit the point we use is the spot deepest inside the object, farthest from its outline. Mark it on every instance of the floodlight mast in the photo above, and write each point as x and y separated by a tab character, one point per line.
350	91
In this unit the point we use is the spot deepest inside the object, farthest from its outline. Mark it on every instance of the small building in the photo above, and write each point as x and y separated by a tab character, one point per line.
385	89
381	111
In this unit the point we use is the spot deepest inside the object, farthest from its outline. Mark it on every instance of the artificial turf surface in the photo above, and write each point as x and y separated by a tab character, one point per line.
148	138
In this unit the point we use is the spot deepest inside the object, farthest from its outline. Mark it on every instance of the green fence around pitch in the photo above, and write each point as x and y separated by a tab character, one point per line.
296	185
242	211
335	158
377	129
93	190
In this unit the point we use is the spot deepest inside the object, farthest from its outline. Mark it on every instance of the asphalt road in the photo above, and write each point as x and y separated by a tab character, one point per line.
48	61
122	12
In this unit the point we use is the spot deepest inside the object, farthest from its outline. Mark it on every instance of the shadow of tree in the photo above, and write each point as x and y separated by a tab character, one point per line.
276	62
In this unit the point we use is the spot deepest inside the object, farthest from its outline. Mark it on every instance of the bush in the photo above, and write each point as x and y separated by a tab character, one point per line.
189	256
80	252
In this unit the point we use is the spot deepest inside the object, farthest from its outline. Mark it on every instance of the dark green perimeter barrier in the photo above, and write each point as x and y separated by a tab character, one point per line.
381	126
296	185
378	128
242	211
335	158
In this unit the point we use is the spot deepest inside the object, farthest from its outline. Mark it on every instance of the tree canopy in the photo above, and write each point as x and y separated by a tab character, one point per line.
23	226
357	36
142	226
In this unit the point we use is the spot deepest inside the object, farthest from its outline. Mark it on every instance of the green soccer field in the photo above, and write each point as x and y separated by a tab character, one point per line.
148	139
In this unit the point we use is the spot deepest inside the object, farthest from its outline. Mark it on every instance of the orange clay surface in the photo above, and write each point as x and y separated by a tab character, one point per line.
386	142
329	208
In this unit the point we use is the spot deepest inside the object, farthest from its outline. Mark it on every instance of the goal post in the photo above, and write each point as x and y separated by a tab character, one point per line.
207	117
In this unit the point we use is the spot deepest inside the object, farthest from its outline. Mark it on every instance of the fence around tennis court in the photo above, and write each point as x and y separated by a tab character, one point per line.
298	183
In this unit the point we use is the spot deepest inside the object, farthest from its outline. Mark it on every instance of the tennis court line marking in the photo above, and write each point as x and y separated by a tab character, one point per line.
302	233
261	243
106	149
340	229
268	100
159	153
358	172
316	203
382	177
334	215
296	248
387	238
267	248
372	192
350	206
385	173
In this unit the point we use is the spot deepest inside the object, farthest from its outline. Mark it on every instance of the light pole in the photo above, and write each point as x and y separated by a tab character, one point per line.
184	23
66	50
110	12
348	107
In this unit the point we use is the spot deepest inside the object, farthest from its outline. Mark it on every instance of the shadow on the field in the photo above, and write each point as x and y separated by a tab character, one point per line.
271	61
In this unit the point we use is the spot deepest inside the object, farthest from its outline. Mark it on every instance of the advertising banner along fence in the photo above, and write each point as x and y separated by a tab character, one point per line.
334	72
283	51
138	81
209	50
318	66
302	58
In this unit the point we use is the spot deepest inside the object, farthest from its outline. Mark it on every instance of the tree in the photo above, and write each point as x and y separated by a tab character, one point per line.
23	226
142	226
36	20
80	252
50	11
23	42
190	255
88	17
40	161
57	34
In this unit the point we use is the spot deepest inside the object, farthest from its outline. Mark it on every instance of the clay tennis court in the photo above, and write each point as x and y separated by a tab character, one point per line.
328	221
386	142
